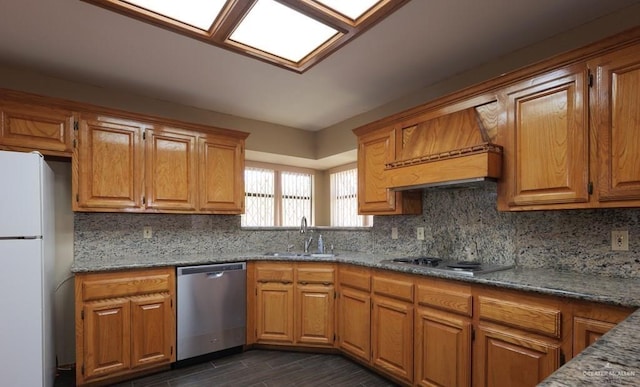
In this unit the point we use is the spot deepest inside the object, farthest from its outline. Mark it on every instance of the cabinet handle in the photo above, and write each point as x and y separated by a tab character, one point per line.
326	283
304	283
286	282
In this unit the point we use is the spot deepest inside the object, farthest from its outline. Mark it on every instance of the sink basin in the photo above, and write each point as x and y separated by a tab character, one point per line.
319	255
287	254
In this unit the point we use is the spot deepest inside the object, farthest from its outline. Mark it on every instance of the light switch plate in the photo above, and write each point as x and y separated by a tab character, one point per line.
147	232
394	232
420	233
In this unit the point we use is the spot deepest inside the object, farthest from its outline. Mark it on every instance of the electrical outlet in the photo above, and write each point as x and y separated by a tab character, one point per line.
394	232
620	240
420	233
147	232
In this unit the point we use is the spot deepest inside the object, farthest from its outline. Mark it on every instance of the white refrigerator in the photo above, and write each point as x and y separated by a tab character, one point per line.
27	245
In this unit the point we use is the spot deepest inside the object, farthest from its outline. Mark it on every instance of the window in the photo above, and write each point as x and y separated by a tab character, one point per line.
276	196
344	199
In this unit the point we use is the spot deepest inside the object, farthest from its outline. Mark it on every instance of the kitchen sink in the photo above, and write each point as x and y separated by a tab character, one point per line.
289	254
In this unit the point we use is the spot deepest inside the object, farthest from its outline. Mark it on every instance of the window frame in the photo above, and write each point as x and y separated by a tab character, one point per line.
277	195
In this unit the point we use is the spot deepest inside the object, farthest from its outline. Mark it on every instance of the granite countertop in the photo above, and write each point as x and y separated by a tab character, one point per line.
613	359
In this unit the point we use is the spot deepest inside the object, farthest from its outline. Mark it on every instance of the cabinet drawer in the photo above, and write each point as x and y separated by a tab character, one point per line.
112	285
274	273
530	317
445	299
357	278
316	275
393	286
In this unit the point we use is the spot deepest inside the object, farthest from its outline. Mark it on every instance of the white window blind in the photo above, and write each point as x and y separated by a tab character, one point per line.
276	197
259	197
296	197
344	200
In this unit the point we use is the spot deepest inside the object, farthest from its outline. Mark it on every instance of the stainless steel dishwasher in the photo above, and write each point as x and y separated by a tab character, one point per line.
211	308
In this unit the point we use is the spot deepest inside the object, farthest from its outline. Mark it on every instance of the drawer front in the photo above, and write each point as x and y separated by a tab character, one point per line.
274	273
392	286
445	299
355	278
316	275
113	285
530	317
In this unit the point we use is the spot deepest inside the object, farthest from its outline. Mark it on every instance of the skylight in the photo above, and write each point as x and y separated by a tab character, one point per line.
198	13
293	34
279	30
352	9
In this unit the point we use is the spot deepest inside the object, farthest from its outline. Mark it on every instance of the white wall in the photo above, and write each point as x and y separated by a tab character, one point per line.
63	300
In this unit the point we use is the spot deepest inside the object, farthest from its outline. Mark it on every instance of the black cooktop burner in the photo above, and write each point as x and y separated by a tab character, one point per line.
465	265
422	261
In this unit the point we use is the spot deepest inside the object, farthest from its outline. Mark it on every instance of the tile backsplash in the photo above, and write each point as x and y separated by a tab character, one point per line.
455	221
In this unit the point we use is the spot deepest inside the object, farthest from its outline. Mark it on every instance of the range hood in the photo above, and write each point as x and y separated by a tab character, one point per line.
449	150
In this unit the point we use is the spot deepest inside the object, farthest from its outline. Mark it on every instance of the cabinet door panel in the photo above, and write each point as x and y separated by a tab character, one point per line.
392	337
442	349
36	127
152	330
374	151
221	175
354	329
547	139
171	170
109	163
509	358
315	312
274	320
617	122
587	331
107	337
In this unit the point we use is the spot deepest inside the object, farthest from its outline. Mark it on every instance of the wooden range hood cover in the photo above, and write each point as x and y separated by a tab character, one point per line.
452	149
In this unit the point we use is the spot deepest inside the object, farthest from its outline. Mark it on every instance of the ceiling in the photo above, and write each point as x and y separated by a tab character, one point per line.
422	43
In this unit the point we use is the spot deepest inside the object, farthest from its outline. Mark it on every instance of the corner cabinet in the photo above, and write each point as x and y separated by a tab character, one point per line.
376	149
125	323
122	164
570	136
294	304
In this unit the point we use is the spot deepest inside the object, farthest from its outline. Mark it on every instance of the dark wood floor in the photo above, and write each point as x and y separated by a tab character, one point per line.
262	368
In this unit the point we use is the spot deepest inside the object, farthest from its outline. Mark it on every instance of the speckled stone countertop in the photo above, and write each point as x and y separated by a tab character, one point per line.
613	360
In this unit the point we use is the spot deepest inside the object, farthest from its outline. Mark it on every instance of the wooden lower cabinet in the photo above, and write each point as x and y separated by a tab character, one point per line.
295	304
506	357
392	337
417	330
125	323
316	314
442	348
107	338
591	321
274	303
443	333
354	329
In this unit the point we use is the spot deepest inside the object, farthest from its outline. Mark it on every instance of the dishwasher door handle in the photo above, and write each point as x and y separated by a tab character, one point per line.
216	274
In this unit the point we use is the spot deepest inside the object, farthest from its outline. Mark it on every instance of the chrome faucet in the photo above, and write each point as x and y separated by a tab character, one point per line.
303	230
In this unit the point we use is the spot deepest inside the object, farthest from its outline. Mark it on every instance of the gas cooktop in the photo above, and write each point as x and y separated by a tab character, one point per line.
467	268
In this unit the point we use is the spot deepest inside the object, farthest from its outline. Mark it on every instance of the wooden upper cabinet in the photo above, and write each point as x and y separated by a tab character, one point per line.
26	126
375	149
546	140
120	165
108	165
170	170
221	164
616	122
